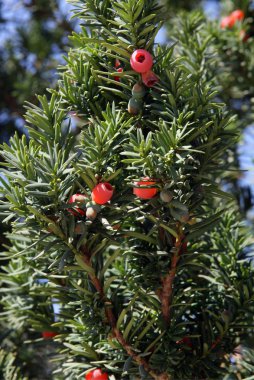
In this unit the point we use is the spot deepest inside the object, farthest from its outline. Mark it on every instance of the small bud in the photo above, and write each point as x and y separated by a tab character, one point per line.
138	91
91	213
192	221
166	196
116	226
135	106
94	205
179	211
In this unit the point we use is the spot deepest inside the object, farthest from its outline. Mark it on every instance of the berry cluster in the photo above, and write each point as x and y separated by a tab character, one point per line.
136	101
147	189
141	61
101	194
144	189
230	21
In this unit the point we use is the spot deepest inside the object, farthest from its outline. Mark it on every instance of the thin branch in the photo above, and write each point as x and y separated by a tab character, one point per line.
166	294
112	322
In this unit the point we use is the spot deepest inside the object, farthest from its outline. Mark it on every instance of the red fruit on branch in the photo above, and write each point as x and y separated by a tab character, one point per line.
231	20
237	15
117	63
149	78
119	70
102	193
48	334
226	22
144	192
141	61
96	374
80	199
89	375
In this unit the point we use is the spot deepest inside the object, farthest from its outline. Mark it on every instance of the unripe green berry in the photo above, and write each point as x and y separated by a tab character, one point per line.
135	106
138	91
166	196
179	211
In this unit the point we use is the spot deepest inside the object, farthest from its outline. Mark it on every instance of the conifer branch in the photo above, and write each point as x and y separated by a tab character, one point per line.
112	322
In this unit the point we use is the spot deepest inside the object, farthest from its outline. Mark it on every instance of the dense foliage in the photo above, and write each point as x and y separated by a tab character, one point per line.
157	288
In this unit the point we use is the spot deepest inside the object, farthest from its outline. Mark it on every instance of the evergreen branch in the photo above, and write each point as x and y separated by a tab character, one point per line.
112	322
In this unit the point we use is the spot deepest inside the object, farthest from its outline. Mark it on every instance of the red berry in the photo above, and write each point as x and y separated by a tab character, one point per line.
119	70
186	341
48	334
141	61
237	15
227	22
145	193
89	375
149	78
80	199
96	374
117	63
102	193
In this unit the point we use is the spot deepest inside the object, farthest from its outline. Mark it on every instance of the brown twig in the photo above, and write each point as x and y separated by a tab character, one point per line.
166	292
112	322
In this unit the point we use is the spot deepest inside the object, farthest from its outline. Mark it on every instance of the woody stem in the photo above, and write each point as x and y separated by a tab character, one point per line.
108	306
